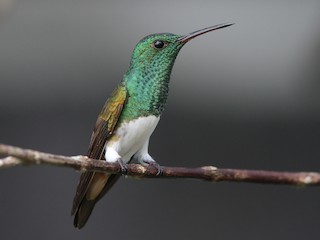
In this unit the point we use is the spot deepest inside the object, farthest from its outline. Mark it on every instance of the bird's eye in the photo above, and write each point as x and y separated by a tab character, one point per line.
158	44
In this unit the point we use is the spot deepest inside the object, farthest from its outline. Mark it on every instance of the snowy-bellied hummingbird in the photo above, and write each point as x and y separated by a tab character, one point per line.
130	115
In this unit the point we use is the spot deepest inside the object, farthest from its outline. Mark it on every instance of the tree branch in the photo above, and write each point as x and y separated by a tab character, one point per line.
18	156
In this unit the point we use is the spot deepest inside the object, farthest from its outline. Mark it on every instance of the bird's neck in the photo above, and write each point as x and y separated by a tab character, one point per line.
147	91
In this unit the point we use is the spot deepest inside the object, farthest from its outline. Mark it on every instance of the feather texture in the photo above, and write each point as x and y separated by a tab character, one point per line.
105	125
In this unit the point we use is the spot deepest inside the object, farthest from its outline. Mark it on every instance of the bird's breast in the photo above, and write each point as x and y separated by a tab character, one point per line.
130	136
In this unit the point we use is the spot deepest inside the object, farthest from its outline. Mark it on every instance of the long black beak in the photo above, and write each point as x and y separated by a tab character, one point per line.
194	34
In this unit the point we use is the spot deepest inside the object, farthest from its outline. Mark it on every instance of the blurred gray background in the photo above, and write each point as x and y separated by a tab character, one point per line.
243	97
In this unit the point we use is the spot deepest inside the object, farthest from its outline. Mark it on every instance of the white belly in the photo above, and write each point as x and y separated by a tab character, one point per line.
130	137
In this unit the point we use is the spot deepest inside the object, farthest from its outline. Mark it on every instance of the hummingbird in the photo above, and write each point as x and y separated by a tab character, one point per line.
129	117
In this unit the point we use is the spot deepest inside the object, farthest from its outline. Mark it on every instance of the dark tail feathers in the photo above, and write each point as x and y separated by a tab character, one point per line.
83	213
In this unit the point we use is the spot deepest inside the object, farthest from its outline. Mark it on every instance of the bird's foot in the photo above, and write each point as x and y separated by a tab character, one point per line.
155	165
123	167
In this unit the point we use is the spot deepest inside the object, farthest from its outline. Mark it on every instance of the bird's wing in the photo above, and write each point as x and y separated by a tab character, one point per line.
104	128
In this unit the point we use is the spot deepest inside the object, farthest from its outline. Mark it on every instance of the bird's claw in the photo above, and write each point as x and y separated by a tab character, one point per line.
123	167
155	165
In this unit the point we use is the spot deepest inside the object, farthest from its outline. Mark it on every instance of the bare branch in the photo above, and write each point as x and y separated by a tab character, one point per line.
19	156
10	162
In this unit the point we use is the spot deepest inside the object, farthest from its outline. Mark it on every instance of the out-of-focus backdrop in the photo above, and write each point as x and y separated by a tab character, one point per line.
242	97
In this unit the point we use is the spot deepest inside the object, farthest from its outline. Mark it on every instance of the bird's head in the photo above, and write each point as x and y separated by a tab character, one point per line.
160	50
